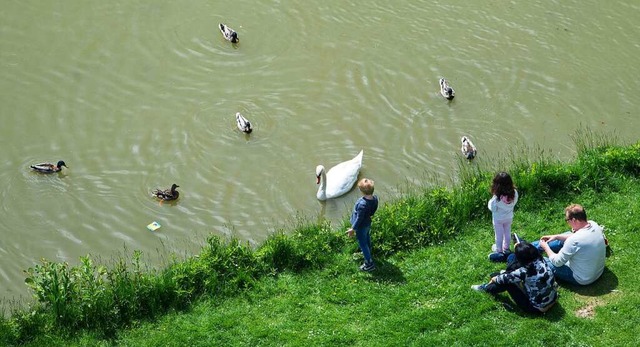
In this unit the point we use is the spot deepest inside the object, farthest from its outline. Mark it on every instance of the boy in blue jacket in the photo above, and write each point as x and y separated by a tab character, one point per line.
364	208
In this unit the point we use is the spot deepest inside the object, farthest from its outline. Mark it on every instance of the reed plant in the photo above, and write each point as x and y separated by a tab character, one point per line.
104	298
309	246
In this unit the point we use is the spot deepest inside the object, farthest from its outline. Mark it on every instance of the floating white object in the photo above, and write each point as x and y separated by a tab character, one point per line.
154	226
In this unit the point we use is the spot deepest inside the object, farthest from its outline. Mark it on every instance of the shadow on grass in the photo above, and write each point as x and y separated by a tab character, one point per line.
554	314
604	285
386	272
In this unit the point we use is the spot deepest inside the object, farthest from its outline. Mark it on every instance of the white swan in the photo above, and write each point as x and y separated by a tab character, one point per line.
339	179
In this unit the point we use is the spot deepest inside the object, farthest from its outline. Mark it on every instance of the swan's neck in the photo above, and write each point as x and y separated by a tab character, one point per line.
322	190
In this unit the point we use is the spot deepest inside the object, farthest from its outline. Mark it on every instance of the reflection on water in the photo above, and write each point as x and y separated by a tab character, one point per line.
138	96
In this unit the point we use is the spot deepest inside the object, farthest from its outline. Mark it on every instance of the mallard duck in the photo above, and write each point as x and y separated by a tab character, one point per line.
167	194
48	167
228	33
243	124
468	149
446	90
339	179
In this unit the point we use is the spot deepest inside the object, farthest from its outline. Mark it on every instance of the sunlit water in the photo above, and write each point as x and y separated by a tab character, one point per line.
135	95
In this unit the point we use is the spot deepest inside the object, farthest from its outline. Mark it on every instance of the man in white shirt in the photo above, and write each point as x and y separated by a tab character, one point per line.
581	259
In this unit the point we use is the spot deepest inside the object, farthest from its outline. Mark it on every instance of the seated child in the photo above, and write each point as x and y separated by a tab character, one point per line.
531	285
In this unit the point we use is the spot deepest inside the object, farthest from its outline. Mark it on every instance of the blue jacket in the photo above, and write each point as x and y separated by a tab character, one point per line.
362	212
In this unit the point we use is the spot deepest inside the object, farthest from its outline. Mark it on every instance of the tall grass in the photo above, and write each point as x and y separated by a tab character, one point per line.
103	298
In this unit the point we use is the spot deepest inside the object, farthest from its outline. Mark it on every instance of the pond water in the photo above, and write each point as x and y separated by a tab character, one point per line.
135	95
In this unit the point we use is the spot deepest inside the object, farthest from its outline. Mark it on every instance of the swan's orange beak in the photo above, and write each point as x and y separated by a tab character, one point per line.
317	179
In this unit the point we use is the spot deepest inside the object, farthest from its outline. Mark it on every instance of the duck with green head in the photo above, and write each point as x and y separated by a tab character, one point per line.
48	168
228	33
446	90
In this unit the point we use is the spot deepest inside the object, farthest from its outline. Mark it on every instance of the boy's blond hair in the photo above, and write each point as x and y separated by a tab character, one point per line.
366	186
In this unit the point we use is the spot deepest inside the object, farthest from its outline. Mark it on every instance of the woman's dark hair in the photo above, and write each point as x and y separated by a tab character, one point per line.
526	253
503	185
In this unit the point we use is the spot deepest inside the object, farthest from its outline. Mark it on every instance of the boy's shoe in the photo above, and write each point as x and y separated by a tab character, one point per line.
367	267
497	257
479	287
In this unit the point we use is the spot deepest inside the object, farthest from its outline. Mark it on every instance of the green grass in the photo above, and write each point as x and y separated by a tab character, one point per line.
419	298
302	286
423	297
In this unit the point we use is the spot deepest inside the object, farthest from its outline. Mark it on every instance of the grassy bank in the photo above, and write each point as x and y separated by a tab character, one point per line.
422	298
302	285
